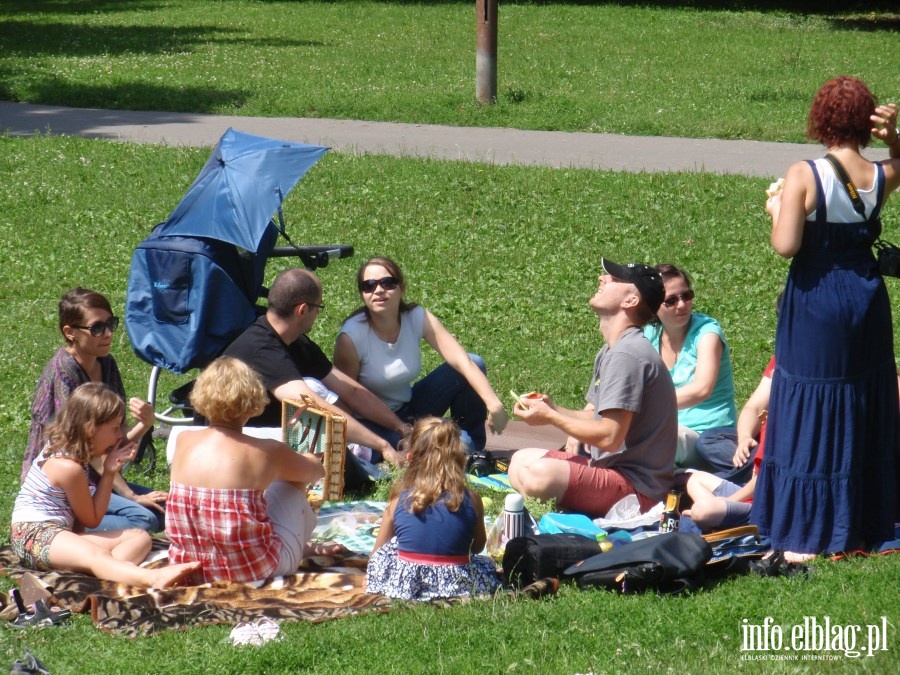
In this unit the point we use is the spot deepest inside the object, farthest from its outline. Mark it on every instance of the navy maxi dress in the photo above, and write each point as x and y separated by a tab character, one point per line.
828	481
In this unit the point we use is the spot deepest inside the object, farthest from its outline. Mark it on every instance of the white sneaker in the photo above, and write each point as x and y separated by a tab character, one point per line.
255	633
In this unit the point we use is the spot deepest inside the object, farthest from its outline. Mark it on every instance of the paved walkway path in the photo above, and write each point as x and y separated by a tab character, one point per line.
470	144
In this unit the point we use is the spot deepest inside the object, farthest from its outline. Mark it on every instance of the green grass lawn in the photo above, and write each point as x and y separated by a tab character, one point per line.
507	257
695	69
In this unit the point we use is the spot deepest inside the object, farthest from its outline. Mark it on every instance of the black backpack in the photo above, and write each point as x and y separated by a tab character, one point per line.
669	563
539	556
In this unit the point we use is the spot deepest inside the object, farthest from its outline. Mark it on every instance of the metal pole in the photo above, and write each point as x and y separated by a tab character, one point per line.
486	50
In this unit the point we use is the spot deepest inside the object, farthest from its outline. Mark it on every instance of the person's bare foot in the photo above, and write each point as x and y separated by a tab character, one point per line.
166	577
792	557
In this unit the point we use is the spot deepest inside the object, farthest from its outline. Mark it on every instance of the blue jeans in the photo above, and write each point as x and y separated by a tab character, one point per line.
441	390
122	514
716	446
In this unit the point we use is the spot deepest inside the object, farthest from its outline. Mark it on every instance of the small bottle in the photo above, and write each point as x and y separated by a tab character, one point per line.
513	517
604	542
670	520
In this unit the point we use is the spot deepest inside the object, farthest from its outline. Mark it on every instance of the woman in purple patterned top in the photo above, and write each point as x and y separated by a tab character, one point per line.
87	324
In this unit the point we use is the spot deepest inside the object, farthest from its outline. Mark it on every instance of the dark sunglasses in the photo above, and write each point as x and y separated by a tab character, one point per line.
672	300
100	327
387	283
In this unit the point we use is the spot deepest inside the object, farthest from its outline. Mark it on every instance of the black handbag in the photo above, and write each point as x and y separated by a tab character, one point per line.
888	258
668	563
532	557
887	253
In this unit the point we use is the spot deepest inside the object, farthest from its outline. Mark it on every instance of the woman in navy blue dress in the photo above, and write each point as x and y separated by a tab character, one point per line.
828	482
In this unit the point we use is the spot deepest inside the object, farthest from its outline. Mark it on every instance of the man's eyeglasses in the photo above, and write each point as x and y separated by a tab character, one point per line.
100	327
387	283
673	300
321	305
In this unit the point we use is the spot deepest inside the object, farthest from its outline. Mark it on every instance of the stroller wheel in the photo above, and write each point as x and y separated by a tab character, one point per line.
144	462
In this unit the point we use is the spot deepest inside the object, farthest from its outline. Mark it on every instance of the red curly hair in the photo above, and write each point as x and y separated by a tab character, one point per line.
840	113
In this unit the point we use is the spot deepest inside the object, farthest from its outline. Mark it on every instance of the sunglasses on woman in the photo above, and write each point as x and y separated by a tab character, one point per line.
98	328
673	300
370	285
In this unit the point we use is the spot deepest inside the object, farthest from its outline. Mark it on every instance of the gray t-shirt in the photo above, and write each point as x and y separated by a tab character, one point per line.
631	376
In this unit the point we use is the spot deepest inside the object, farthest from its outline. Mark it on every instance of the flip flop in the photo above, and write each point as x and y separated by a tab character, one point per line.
41	616
774	565
29	664
845	555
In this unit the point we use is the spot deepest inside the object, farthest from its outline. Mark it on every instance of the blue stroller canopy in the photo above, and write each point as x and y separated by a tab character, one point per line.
240	188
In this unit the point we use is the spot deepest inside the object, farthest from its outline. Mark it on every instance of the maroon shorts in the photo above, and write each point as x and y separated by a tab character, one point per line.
594	490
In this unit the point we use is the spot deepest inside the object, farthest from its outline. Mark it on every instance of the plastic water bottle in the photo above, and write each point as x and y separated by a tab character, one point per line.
513	517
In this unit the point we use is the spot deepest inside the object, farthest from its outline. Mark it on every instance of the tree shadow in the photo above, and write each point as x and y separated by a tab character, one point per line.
76	7
49	90
867	22
29	39
818	7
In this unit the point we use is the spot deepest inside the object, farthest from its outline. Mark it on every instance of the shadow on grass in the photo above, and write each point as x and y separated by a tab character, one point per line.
128	96
76	7
819	7
867	8
36	38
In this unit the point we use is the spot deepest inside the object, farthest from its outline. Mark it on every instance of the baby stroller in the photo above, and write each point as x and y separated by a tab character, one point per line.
196	279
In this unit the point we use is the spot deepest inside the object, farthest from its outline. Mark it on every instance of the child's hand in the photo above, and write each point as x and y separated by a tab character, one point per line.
742	452
142	411
115	459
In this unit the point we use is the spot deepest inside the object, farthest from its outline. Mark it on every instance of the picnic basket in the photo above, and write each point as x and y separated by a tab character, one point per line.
323	433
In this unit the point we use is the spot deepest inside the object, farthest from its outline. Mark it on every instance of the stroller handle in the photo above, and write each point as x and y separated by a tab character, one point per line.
313	257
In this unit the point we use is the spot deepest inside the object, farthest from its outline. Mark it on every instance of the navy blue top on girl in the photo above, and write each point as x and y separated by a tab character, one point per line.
429	555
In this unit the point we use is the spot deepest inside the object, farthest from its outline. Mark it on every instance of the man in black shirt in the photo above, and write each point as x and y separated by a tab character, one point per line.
277	347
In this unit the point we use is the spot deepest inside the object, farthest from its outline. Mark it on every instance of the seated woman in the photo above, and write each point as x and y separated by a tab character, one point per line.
694	350
380	346
237	504
87	324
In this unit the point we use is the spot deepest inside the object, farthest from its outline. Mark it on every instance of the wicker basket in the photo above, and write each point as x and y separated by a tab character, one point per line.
322	433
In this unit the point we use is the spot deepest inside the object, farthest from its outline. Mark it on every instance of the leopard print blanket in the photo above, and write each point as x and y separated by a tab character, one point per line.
324	588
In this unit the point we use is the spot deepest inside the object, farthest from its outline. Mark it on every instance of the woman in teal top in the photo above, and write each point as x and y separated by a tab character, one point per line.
694	350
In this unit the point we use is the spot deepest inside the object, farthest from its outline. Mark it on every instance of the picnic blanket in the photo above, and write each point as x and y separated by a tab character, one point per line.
494	481
324	588
354	525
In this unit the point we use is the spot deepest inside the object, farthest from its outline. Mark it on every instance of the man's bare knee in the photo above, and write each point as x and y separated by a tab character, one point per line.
538	482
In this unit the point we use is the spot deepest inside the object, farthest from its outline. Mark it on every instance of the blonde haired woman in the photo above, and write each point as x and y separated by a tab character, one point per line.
237	504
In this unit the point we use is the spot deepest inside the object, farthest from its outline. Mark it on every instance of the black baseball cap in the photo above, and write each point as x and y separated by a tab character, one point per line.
647	280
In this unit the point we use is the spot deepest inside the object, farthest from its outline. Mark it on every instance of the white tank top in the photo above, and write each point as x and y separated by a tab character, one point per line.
389	369
840	208
39	501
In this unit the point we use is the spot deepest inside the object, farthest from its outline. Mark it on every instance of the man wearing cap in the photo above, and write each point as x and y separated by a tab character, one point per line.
630	423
